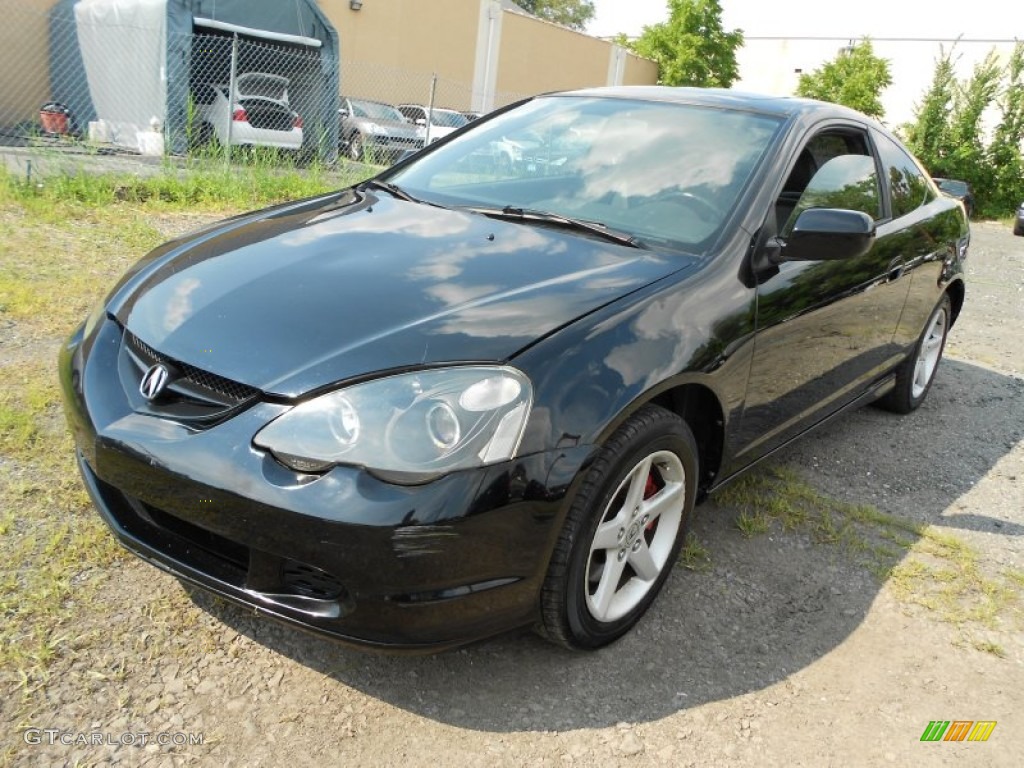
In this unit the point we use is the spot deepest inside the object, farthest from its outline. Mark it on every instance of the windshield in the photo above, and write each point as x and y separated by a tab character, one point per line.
376	111
669	174
446	118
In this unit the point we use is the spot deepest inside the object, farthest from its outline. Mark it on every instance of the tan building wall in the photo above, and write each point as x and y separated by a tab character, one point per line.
537	56
640	71
391	48
24	60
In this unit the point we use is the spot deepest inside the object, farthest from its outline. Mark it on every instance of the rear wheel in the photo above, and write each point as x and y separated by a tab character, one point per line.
915	375
623	532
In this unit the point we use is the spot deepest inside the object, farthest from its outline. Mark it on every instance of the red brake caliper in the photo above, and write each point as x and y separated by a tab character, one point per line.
650	489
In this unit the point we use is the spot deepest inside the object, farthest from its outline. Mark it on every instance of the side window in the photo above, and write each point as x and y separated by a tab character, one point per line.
835	169
846	181
908	188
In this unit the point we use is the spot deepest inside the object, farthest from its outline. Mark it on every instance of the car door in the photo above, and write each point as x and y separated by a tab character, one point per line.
824	328
923	238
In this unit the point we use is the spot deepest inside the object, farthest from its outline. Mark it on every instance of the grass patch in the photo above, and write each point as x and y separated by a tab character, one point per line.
209	183
694	556
52	544
57	260
63	245
925	567
752	523
944	574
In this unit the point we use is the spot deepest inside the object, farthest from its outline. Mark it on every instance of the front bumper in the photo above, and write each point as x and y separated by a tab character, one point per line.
343	553
392	144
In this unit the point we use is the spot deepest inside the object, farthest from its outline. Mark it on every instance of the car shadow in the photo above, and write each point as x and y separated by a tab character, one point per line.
767	606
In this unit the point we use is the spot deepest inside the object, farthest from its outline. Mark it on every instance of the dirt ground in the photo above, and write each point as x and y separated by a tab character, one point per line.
783	647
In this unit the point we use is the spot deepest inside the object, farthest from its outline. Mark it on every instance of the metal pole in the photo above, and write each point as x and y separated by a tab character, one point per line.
430	107
231	96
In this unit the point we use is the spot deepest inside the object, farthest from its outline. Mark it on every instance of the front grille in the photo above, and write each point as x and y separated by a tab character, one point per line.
192	396
233	392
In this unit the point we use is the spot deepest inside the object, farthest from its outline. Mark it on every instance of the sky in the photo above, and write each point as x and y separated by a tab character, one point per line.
773	66
876	18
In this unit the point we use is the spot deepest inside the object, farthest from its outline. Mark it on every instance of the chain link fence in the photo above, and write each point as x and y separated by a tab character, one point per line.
127	85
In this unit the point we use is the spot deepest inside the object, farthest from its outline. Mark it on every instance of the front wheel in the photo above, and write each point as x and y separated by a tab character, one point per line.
915	375
623	532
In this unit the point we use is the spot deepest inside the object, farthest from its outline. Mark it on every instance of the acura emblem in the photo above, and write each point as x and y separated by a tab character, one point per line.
154	382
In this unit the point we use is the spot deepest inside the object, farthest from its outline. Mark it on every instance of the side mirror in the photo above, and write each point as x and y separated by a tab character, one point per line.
828	234
342	112
421	121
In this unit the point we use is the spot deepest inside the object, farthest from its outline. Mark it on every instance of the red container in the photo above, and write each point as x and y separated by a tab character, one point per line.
54	118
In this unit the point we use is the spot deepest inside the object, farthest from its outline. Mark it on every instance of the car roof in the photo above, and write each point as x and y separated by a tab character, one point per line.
781	106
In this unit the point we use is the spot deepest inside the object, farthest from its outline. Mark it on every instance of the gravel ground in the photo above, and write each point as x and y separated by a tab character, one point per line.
784	650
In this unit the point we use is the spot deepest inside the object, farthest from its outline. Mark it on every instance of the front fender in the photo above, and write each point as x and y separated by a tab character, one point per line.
696	328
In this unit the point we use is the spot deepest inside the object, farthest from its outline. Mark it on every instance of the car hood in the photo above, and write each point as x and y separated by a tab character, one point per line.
303	296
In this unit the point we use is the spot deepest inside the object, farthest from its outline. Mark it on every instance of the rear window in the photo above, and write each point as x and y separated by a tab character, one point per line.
265	86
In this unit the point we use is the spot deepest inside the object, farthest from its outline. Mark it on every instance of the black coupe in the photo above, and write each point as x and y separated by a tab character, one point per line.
485	389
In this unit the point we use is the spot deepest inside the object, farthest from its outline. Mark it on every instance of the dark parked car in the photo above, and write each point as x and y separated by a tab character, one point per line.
961	190
453	400
375	132
1018	223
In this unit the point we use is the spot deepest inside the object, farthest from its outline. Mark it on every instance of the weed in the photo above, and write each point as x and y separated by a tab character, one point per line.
694	555
925	567
752	523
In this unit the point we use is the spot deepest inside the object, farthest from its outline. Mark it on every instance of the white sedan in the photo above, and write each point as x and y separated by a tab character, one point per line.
258	115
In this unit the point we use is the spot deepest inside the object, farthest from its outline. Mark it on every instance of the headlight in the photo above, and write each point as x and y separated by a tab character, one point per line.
410	428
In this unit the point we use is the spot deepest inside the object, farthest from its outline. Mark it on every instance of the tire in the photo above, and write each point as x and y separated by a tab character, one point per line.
623	532
915	375
355	147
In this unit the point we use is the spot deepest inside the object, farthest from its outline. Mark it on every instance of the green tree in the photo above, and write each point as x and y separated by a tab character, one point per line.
928	136
855	78
692	48
569	13
948	135
966	156
1004	153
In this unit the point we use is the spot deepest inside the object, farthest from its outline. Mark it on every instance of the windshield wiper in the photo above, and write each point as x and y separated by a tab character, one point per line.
396	191
392	189
547	217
